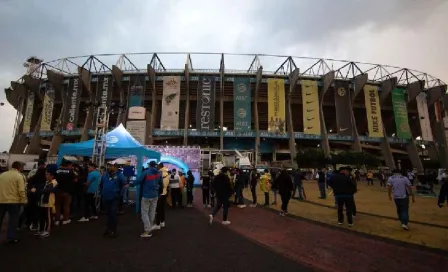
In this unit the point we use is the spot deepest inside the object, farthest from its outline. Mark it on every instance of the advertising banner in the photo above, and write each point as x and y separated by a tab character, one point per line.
310	102
137	129
103	95
205	112
343	108
276	105
423	114
137	91
137	113
72	103
401	114
242	98
373	109
169	119
47	110
28	112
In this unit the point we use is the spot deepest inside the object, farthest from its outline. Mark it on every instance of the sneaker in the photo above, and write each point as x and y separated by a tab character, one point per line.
339	223
209	206
227	222
37	233
146	235
44	234
162	224
83	219
282	214
155	227
405	227
56	223
33	228
210	220
274	203
253	205
94	217
113	234
241	206
65	222
351	225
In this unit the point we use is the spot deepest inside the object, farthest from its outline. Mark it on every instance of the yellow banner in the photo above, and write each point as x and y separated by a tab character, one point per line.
276	105
373	110
28	113
310	102
47	111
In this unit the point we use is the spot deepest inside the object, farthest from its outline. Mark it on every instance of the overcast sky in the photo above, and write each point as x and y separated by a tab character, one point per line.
404	33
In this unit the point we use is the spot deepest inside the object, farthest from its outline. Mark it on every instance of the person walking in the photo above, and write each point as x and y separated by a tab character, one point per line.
92	184
223	190
149	180
400	188
321	180
190	186
343	190
206	189
285	189
12	198
112	182
161	202
253	187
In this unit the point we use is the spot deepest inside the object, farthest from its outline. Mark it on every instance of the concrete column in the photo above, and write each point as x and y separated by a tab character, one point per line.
19	141
57	81
33	85
293	78
257	120
327	80
438	149
118	76
152	80
221	103
86	78
358	83
187	105
387	87
413	90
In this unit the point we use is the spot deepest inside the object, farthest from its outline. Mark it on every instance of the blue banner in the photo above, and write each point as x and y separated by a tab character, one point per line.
137	92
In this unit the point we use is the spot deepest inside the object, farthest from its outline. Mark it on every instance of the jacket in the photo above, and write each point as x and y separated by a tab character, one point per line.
284	183
112	183
265	182
222	186
342	185
165	180
12	188
443	195
190	182
149	180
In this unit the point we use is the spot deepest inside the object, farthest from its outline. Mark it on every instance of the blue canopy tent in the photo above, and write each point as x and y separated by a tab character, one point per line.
119	143
171	160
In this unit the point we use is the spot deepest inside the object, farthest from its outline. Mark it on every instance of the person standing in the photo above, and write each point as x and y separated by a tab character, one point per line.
343	190
321	183
149	180
265	186
65	189
47	205
411	177
161	202
92	184
239	187
223	190
382	178
369	178
285	189
206	189
12	198
176	194
443	194
297	177
399	188
35	184
112	182
274	187
253	187
190	186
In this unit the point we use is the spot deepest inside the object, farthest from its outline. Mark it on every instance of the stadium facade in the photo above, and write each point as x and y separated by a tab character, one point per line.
273	105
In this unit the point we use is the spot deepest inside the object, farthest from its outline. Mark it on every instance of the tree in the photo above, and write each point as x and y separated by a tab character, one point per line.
357	159
311	158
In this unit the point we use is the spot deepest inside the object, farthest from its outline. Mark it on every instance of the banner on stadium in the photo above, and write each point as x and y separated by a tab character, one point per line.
373	109
28	112
137	129
47	110
169	119
72	103
276	105
205	111
343	108
310	97
242	98
401	114
423	114
137	92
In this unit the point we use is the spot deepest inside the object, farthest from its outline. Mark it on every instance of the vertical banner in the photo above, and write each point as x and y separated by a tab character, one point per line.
373	109
28	112
242	99
343	108
137	92
137	129
72	103
438	110
169	119
205	111
47	111
310	103
276	105
103	95
423	114
401	114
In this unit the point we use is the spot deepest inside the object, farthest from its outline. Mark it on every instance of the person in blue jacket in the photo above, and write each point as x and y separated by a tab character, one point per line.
150	181
112	182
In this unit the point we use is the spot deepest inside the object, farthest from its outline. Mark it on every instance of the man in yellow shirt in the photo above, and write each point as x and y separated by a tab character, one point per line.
265	186
12	197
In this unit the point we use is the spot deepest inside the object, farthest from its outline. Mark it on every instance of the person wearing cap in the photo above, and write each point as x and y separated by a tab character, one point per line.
343	190
66	185
112	182
399	188
223	190
149	180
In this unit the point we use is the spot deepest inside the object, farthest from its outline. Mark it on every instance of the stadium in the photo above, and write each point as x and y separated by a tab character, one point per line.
270	106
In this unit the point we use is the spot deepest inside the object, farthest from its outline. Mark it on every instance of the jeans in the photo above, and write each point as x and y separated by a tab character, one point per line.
126	195
275	195
402	209
111	207
160	211
299	188
13	211
369	181
44	219
224	202
322	190
176	197
189	196
239	196
29	214
63	200
346	201
205	196
285	200
89	205
149	206
254	194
